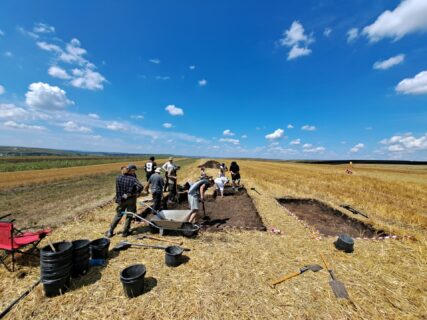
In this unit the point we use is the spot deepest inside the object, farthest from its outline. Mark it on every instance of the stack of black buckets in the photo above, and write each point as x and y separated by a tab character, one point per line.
69	259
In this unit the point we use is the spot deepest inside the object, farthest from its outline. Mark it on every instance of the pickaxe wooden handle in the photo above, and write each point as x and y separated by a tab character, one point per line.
284	278
159	239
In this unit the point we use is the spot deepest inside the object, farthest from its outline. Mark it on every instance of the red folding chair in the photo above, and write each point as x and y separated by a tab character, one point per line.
13	240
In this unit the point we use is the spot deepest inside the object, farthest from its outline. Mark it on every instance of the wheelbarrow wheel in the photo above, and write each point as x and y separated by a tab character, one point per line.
153	229
189	230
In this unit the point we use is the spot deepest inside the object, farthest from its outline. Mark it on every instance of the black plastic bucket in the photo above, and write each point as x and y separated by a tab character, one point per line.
99	248
344	243
55	267
189	230
173	256
133	280
81	255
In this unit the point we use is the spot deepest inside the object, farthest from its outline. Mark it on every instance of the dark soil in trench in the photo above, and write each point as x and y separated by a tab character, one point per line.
327	220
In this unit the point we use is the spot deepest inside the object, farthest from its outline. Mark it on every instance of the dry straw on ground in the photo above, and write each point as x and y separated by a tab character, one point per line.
226	276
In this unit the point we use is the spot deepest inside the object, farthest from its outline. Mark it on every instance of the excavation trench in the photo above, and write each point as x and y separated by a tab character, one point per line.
327	220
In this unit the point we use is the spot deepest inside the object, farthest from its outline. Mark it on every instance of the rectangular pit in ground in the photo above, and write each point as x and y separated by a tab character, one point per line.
327	220
236	210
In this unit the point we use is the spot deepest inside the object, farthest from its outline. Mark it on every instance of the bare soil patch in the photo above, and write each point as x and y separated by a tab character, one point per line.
327	220
211	164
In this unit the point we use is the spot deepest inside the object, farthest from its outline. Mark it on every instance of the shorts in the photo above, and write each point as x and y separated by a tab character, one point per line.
235	177
193	202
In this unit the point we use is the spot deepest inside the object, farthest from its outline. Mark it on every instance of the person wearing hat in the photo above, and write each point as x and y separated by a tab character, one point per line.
150	166
156	187
127	190
166	167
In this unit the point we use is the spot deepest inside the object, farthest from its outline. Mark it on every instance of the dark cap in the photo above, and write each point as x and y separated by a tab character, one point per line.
132	166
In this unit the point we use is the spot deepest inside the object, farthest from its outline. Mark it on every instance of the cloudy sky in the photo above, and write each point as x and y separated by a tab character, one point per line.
276	79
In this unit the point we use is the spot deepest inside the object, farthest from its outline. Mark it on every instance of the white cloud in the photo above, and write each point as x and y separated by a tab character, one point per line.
73	53
295	142
230	140
10	111
390	62
116	126
174	111
2	90
137	117
58	72
327	32
315	150
1	33
167	125
71	126
87	78
408	17
297	40
49	47
416	85
8	54
308	128
15	125
43	28
369	128
352	34
307	145
192	67
277	134
203	82
93	115
155	61
44	96
163	78
244	136
406	143
357	147
290	126
228	132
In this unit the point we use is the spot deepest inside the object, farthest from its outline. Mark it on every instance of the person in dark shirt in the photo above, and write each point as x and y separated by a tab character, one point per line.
156	183
172	182
127	190
235	174
150	167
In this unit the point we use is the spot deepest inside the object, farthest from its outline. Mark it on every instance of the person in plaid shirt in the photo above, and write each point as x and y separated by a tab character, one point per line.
127	190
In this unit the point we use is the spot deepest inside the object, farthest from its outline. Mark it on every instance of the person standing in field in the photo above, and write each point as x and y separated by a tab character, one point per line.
203	174
127	190
150	167
172	182
222	170
166	166
196	194
235	174
156	184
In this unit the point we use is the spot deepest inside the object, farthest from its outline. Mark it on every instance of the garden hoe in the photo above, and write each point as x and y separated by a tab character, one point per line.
337	287
312	267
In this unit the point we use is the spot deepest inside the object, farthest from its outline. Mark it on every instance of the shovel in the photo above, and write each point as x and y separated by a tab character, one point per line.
312	267
337	287
159	239
253	189
126	245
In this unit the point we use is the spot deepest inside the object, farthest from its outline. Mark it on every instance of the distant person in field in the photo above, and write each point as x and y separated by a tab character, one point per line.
220	183
235	174
203	174
150	167
196	194
127	190
156	184
222	170
166	166
172	182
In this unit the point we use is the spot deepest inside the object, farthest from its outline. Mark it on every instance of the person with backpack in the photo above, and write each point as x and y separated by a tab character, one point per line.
235	174
150	167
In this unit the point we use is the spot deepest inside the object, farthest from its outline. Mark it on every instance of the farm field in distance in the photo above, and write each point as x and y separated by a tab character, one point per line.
227	274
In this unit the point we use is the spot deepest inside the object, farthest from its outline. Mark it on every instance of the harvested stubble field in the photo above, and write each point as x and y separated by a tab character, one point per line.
227	272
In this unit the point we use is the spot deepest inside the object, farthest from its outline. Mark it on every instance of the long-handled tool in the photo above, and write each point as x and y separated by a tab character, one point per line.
159	239
126	245
9	307
253	189
312	267
353	210
337	287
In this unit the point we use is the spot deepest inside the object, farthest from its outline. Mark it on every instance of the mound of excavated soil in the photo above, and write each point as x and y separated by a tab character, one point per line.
211	164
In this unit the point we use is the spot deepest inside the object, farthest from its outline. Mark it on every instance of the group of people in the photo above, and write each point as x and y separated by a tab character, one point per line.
128	188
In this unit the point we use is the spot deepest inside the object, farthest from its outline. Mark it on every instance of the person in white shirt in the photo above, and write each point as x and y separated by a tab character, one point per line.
220	182
167	166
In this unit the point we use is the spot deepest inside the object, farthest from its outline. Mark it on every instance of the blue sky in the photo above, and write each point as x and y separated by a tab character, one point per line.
276	79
